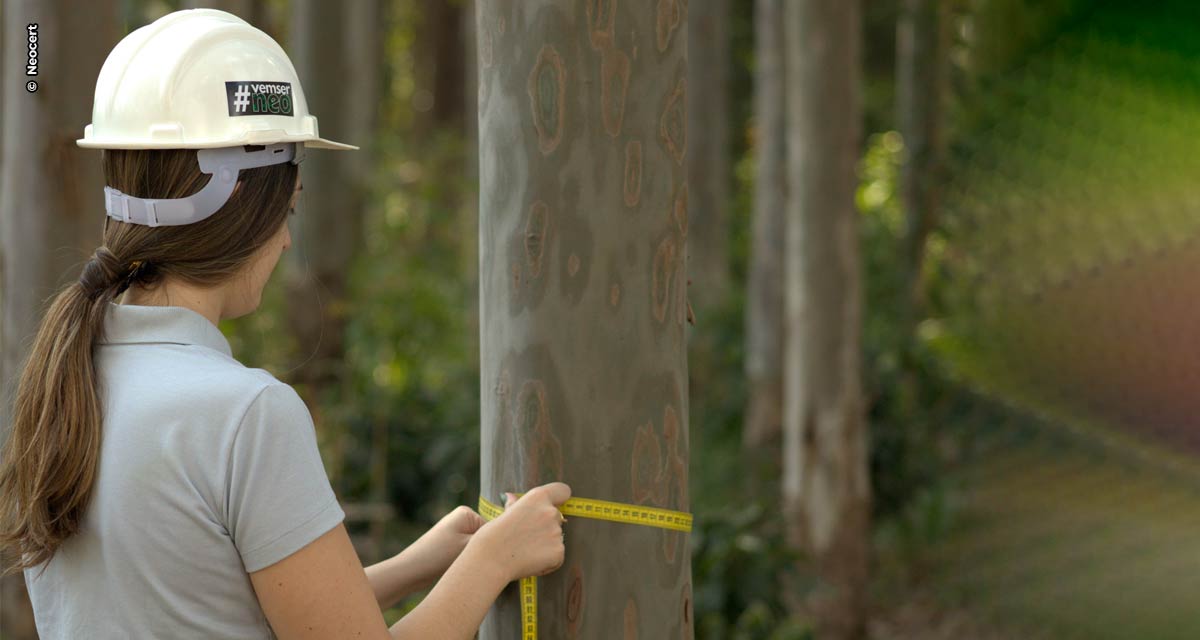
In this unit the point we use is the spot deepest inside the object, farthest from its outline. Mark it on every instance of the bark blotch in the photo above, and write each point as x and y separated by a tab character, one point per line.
547	459
505	439
686	630
647	466
548	98
572	232
633	172
673	482
682	308
543	449
672	126
615	282
666	22
486	51
600	15
516	279
535	236
680	209
671	430
575	601
614	83
663	270
631	620
531	406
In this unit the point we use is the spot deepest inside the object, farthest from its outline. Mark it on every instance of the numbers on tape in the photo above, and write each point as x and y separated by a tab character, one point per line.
597	510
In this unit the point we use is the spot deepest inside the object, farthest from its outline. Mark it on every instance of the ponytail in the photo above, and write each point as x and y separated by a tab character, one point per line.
49	464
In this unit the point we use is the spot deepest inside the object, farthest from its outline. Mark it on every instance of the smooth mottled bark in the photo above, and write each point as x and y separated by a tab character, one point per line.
764	283
336	62
708	158
51	191
826	488
583	226
921	70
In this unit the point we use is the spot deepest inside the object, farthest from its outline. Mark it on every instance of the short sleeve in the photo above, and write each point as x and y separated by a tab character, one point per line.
278	497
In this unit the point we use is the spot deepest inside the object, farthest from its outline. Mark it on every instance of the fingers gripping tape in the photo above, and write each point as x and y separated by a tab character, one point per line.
597	510
223	164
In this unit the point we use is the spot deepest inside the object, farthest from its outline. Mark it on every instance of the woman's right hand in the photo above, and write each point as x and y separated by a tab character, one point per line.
527	537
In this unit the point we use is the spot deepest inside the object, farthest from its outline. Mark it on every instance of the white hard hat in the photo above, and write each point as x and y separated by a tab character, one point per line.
200	79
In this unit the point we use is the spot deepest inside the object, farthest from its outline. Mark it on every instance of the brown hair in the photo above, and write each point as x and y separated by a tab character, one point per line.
51	458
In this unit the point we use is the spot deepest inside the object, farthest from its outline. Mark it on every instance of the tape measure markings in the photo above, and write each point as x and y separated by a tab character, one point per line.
529	607
615	512
587	508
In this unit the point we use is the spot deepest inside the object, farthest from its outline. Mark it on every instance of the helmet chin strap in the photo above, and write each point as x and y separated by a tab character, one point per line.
223	164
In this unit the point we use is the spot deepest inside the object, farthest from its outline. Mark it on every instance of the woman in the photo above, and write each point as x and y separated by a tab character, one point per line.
152	485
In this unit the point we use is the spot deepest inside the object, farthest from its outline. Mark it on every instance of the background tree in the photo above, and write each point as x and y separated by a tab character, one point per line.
921	77
51	191
764	281
826	488
440	65
583	222
336	54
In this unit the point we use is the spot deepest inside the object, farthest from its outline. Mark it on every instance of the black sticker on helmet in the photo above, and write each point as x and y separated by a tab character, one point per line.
253	98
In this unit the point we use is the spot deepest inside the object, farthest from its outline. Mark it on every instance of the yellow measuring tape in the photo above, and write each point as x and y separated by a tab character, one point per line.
587	508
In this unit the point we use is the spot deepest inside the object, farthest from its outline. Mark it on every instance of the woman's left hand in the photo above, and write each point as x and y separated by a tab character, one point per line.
442	544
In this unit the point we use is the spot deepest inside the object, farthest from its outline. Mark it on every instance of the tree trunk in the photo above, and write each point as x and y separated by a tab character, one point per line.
764	285
583	221
826	487
51	191
921	69
335	54
708	159
440	65
470	204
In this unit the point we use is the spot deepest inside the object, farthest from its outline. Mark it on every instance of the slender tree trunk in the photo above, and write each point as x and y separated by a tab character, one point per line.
440	64
364	51
708	159
471	165
921	70
51	191
826	487
335	53
583	221
764	285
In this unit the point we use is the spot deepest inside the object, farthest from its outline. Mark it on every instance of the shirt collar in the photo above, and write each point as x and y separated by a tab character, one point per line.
143	324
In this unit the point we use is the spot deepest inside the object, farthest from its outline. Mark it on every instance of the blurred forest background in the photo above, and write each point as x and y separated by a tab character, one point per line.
1028	240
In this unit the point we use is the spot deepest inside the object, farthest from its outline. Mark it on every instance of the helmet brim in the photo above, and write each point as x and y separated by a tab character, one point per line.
322	143
101	143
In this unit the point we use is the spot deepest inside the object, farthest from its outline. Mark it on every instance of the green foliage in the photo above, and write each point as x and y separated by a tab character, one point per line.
410	339
901	383
739	559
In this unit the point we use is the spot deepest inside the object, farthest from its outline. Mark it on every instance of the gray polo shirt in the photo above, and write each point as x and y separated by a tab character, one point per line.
208	470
